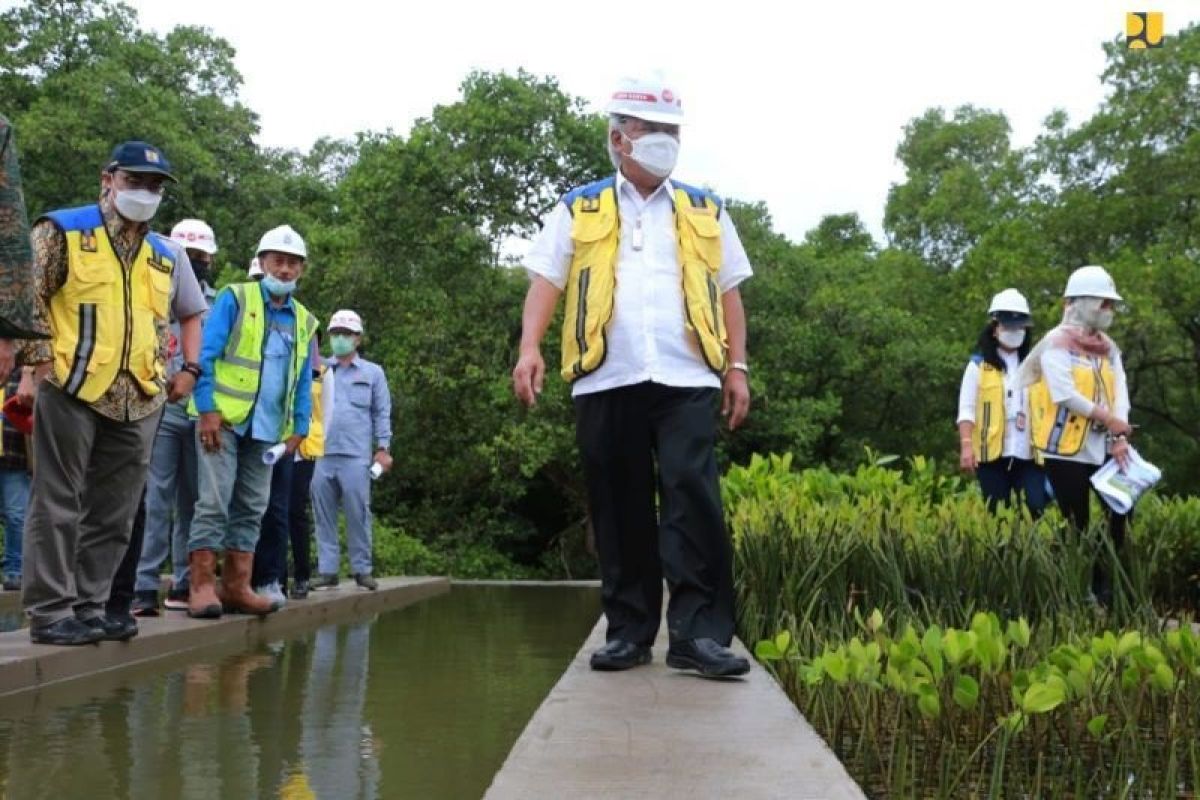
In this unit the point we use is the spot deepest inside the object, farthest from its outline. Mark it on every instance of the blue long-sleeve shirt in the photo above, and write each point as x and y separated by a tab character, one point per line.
362	409
280	320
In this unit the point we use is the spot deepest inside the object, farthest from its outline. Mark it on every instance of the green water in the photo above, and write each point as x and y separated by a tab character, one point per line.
424	702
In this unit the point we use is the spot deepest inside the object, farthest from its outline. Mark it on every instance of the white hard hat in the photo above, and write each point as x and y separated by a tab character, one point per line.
195	234
1009	300
282	240
255	268
1091	281
345	318
652	100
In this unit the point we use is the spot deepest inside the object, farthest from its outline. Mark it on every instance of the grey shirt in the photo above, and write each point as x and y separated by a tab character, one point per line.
361	421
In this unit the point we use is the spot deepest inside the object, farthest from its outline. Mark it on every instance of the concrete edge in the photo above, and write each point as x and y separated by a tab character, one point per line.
26	667
569	738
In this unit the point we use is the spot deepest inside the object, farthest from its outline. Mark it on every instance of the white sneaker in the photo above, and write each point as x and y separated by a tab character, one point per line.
272	593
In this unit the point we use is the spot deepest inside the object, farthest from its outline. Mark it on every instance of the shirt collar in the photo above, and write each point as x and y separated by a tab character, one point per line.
664	187
333	360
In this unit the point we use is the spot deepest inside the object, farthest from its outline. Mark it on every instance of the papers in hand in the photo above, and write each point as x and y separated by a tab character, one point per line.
1122	489
274	454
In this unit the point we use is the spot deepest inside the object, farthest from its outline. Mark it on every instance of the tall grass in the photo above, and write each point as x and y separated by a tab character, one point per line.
822	558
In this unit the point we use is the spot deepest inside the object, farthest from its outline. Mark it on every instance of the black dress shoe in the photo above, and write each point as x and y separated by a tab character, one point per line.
68	631
706	657
115	627
618	655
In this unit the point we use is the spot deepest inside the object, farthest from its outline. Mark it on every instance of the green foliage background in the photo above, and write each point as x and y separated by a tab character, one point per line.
855	343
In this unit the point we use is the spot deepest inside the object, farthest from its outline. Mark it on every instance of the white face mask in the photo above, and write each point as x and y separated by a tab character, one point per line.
137	205
655	152
1011	339
1089	312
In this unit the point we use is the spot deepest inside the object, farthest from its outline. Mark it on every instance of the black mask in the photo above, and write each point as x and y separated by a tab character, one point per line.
201	270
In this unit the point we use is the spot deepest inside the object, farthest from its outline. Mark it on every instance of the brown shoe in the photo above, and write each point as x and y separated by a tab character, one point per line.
235	579
202	595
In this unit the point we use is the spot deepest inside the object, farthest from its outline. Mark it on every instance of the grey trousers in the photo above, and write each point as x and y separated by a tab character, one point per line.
87	482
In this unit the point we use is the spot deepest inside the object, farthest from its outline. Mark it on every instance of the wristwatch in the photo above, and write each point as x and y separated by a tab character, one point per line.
740	365
193	368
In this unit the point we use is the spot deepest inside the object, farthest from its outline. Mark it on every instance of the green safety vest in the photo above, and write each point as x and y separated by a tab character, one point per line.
238	371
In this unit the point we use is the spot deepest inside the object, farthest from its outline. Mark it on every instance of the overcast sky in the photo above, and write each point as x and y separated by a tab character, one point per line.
800	105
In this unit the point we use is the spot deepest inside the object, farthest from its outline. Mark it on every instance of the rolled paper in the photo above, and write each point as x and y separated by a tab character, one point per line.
376	471
273	455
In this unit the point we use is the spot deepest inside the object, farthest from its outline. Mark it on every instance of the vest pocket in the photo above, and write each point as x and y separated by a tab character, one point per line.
85	356
90	281
157	291
706	238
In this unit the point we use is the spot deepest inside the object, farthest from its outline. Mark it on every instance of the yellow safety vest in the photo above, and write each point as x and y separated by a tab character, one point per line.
591	283
313	446
1058	431
238	371
105	318
987	438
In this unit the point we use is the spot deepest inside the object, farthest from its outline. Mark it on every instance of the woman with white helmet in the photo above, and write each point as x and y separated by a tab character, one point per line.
1079	403
993	409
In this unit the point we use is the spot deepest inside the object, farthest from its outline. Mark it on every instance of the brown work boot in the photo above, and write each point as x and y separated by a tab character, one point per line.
202	595
235	580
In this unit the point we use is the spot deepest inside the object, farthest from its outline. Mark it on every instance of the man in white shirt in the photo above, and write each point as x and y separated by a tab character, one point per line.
654	338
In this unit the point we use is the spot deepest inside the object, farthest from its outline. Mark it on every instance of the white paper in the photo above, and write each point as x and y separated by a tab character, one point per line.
1121	490
273	455
376	471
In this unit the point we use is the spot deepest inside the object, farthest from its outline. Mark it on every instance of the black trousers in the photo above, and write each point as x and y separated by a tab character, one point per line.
270	554
300	520
120	596
1005	477
637	442
1071	482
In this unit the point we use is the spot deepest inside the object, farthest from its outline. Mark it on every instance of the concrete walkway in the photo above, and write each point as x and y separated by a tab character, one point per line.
653	732
25	666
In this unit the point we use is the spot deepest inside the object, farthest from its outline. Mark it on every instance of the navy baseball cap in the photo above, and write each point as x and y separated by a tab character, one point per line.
140	157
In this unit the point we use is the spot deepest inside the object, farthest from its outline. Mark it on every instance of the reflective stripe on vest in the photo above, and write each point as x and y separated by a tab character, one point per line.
237	373
591	282
1055	429
104	319
987	438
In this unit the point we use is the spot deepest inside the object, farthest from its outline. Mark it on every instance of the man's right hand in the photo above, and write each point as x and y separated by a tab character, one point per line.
528	376
966	459
1117	427
209	428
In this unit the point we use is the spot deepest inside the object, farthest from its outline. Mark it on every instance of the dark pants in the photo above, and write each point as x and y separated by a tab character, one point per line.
120	596
270	554
622	435
300	520
1004	477
1072	486
87	480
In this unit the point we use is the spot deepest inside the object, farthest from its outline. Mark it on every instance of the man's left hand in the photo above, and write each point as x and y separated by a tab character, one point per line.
735	400
383	459
180	386
292	444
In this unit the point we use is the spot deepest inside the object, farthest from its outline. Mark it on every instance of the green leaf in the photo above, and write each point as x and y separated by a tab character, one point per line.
966	692
783	642
1015	722
928	702
1163	678
1018	632
1042	697
1096	725
766	650
1127	642
875	621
